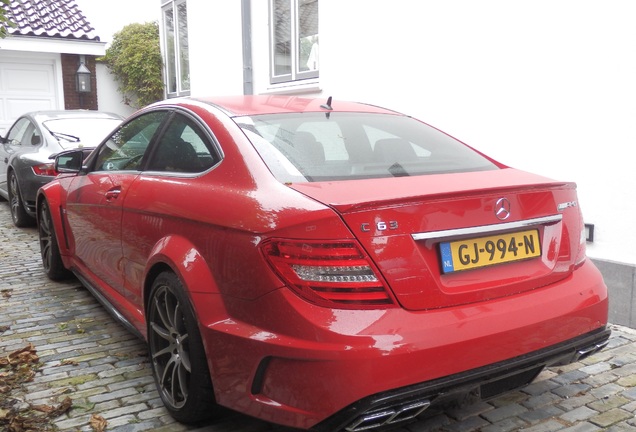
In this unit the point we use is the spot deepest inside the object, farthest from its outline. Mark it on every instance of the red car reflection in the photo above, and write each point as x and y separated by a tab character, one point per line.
329	266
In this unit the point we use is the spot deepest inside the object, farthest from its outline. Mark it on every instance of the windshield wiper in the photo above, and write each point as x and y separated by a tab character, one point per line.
65	137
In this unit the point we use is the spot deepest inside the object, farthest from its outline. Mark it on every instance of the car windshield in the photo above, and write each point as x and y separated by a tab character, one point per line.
80	132
311	147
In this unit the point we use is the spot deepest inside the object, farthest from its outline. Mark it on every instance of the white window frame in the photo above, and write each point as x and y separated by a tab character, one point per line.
296	74
174	63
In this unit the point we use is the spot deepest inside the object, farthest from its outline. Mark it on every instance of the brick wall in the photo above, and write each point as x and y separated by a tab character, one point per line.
73	99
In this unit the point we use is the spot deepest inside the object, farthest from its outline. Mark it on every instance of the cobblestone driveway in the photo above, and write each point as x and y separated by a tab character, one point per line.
86	355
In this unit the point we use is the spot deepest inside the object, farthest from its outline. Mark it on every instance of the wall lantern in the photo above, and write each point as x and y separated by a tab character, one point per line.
83	78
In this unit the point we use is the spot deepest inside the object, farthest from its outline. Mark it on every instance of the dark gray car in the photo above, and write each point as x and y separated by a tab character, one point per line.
25	163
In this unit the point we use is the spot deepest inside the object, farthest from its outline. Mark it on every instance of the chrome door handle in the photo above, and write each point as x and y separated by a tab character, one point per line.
112	194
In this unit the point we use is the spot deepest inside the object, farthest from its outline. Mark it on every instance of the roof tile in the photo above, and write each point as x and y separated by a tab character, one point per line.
49	18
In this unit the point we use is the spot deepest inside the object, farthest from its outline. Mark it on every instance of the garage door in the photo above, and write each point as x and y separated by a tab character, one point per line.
25	87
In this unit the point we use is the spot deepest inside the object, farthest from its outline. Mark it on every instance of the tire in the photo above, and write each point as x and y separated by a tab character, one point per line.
178	359
49	248
19	215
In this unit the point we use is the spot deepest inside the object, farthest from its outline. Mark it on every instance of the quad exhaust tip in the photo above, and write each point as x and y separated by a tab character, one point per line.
589	350
388	416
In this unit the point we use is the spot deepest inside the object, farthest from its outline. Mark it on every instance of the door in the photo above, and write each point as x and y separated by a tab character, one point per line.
25	85
19	138
95	201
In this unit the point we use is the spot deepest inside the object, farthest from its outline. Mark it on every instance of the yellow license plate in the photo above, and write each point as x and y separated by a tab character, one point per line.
485	251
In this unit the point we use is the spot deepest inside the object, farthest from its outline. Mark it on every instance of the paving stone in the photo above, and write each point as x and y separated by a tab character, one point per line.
507	425
608	403
540	414
582	427
605	391
571	390
112	376
539	387
541	400
470	424
469	410
574	376
611	417
548	426
125	410
578	414
112	395
504	412
73	423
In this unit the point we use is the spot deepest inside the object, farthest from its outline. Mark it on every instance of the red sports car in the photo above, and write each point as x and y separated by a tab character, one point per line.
322	264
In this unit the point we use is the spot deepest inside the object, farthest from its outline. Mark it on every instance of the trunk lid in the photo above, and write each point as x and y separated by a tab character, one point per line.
439	242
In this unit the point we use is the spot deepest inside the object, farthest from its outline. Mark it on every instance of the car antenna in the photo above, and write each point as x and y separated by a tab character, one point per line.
327	105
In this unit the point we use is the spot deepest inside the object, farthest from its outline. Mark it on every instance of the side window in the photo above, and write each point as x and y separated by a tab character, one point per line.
19	132
125	149
183	148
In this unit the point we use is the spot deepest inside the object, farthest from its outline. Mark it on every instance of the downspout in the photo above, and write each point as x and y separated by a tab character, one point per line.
246	21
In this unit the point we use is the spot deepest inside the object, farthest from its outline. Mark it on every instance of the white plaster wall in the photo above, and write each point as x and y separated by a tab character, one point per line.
540	85
108	97
216	59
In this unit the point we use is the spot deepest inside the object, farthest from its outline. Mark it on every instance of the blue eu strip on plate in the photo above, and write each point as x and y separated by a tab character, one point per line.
447	257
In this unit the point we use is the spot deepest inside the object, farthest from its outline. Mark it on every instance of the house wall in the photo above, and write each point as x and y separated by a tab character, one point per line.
542	86
216	61
539	85
108	96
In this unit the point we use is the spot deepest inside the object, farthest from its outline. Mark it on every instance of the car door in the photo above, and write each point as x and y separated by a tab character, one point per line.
160	202
95	200
21	131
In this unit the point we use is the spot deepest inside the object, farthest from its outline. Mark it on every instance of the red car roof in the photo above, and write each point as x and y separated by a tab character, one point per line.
273	104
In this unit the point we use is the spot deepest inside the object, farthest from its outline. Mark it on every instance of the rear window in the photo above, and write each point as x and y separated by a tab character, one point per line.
311	147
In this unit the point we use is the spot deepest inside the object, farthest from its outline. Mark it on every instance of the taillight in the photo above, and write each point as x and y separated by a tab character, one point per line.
44	170
331	274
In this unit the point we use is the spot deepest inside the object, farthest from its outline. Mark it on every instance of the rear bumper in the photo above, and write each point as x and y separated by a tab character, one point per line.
29	186
403	404
288	362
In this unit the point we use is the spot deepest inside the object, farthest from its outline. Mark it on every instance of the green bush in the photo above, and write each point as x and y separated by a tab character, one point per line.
134	57
4	21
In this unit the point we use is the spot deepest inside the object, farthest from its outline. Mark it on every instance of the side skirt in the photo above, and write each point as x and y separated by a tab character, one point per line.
109	306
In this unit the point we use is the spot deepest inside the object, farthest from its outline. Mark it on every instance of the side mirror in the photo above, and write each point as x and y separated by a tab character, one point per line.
69	161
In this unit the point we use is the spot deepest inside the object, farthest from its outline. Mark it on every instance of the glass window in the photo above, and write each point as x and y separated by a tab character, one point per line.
171	63
184	53
19	132
183	148
315	147
175	25
294	40
125	149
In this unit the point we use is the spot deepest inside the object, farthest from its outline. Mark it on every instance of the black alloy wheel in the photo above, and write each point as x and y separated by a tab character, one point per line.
49	248
18	213
178	358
